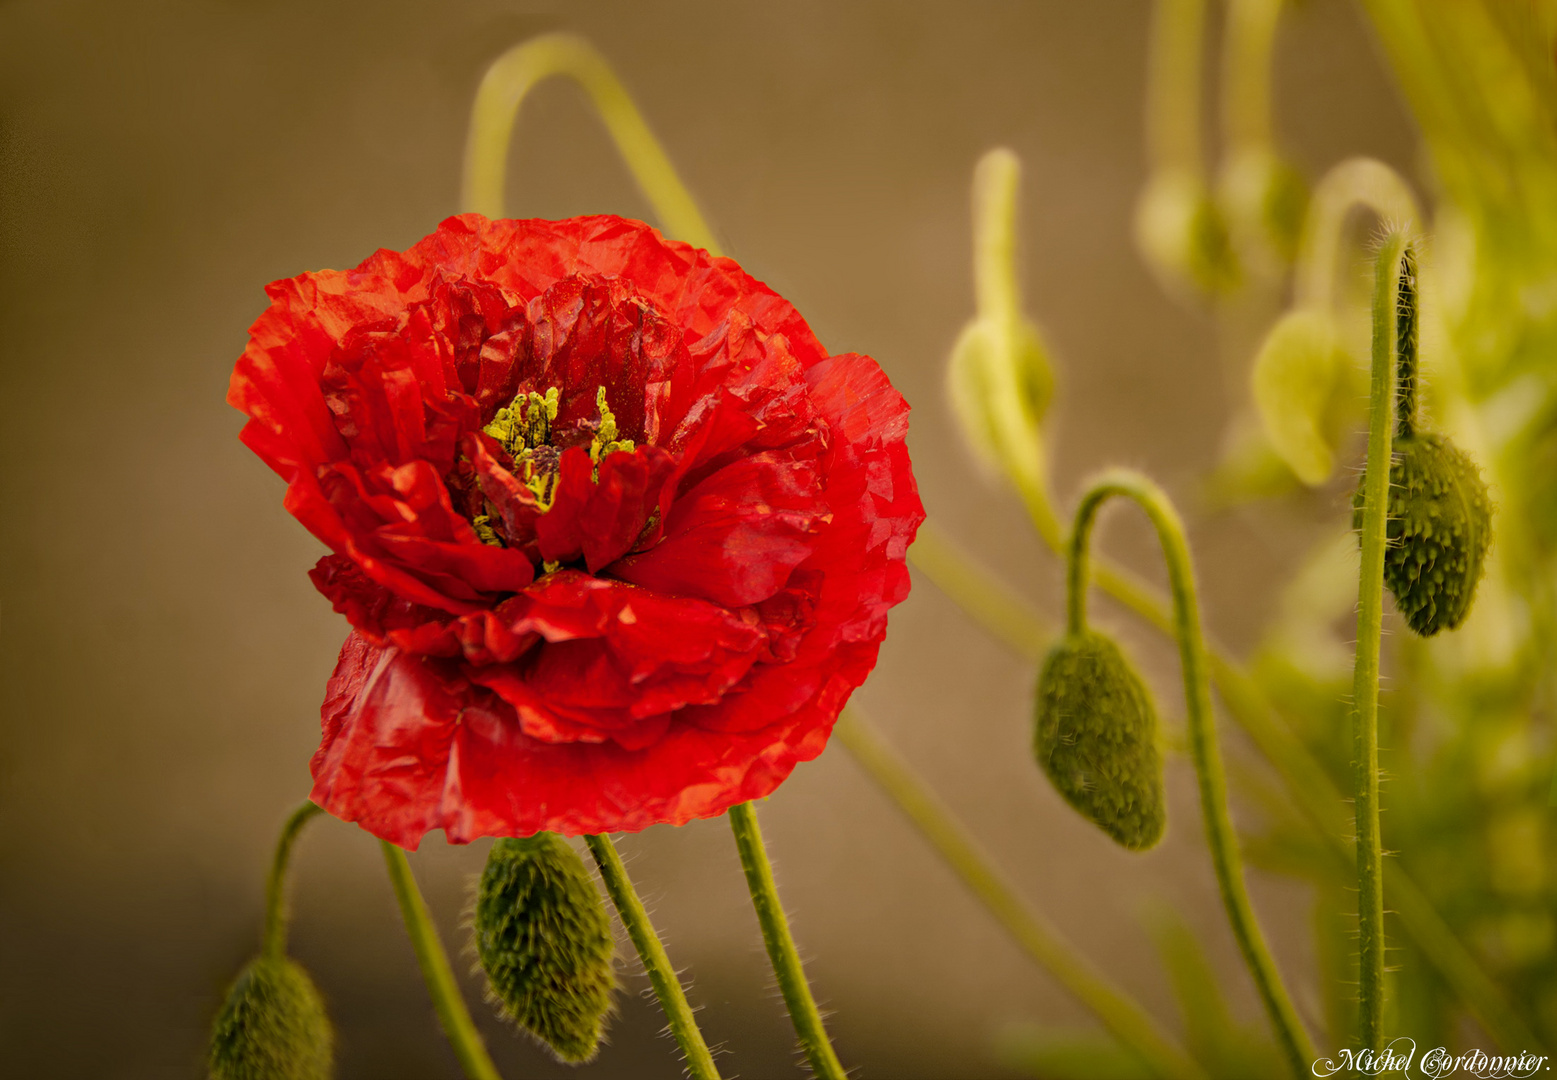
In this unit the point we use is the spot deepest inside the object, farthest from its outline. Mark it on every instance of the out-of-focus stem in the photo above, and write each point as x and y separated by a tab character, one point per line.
1246	65
275	933
1355	183
458	1027
667	987
977	591
503	88
1173	85
803	1012
1027	633
1129	1023
1204	748
995	181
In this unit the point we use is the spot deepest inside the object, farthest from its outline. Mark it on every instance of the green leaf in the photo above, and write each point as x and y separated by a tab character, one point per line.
1047	1054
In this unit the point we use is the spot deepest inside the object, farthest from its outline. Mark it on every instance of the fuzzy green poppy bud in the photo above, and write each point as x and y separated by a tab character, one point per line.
1096	739
272	1026
1001	365
1438	530
545	943
1266	199
1182	234
1300	377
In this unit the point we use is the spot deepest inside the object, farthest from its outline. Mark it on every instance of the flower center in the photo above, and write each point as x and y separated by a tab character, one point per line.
523	429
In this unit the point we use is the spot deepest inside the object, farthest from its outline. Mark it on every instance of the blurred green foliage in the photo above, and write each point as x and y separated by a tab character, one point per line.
1467	723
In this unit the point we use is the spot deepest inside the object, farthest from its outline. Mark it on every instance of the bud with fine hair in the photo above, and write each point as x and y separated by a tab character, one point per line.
1438	530
1096	739
545	943
272	1027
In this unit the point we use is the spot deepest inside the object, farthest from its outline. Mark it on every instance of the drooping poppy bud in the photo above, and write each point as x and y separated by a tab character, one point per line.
1438	529
1300	381
999	378
1183	236
545	943
1265	200
1096	739
1000	383
272	1027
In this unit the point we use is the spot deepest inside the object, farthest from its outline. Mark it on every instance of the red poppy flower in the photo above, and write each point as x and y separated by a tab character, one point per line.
616	537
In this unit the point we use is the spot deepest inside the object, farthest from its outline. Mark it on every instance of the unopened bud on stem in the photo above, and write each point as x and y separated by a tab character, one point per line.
272	1027
1096	739
545	942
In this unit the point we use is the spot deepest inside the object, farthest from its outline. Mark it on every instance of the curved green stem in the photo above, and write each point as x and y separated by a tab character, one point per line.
995	605
995	181
1130	1024
1204	749
274	941
781	945
1392	261
1358	182
667	987
1017	367
458	1027
503	88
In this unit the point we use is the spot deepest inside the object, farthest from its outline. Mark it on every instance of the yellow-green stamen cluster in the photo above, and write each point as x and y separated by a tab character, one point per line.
523	429
526	422
483	526
605	440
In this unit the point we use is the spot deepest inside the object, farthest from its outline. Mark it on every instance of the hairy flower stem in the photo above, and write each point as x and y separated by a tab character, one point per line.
781	945
1220	838
503	88
458	1027
994	605
667	987
1130	1024
1393	259
274	940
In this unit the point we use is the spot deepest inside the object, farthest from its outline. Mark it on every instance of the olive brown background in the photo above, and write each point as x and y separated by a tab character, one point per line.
163	652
